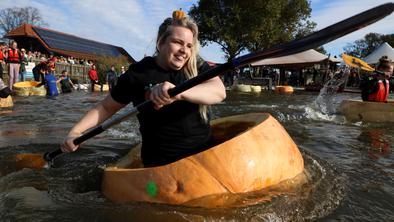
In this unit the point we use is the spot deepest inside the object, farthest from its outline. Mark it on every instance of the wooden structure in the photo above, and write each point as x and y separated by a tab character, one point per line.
34	38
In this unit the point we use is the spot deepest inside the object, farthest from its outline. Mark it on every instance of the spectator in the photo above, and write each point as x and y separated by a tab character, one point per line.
14	59
229	78
122	70
65	82
39	71
30	56
2	48
24	62
112	77
52	65
94	78
49	81
71	60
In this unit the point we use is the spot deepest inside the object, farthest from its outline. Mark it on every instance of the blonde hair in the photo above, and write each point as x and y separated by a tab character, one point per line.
190	69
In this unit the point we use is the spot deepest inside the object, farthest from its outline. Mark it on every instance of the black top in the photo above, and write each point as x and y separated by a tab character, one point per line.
66	85
172	132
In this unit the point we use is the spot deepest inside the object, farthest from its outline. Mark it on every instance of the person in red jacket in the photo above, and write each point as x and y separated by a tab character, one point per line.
13	56
94	78
1	60
377	87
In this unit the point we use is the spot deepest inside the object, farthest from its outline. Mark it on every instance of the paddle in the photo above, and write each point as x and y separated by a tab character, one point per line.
311	41
356	62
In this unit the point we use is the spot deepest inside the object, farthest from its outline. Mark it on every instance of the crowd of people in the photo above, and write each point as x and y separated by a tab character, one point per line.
44	71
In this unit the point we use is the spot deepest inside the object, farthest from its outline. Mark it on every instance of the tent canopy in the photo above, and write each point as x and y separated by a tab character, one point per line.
310	56
383	50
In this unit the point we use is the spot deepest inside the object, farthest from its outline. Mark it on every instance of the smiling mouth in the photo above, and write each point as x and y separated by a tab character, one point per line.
180	59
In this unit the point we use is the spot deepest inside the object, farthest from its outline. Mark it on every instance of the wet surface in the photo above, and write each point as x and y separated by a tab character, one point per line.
348	166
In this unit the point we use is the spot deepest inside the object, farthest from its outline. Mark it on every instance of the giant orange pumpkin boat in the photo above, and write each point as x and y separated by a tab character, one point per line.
253	151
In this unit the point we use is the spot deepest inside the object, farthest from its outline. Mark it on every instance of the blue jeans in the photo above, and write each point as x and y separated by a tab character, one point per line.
22	76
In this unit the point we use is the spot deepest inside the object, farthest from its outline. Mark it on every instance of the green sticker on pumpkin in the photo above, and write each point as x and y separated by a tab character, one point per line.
151	188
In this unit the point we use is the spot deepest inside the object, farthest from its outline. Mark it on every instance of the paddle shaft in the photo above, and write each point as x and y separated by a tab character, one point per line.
311	41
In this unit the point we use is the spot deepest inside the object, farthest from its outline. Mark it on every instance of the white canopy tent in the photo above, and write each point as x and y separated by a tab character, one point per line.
383	50
307	57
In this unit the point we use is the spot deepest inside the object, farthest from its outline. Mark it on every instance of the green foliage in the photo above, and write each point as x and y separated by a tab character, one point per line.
275	22
104	63
321	50
251	24
363	47
220	22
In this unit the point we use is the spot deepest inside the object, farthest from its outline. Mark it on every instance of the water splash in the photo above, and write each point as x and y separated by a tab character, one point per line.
327	99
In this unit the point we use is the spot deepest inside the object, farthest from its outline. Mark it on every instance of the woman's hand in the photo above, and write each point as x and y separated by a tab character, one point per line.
160	97
68	144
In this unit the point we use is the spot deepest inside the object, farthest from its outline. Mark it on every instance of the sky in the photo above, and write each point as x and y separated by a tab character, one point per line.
133	24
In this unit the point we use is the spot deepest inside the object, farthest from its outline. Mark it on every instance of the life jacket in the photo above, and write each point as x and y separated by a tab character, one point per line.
13	56
382	93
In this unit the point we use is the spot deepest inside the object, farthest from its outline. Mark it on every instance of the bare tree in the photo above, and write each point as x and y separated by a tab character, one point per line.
11	18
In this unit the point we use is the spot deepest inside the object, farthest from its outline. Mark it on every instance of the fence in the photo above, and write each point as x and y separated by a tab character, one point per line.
78	73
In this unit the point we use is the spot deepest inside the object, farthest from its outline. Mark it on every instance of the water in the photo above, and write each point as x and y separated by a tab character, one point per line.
349	166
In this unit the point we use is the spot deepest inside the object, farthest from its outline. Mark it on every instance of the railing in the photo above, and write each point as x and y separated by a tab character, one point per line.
75	71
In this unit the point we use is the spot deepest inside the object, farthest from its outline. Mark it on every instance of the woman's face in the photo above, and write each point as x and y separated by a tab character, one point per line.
388	71
176	50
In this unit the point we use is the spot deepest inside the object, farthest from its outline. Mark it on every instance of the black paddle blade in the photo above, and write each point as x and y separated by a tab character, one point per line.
311	41
321	37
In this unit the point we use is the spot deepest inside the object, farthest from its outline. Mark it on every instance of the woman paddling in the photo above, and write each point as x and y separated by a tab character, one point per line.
178	126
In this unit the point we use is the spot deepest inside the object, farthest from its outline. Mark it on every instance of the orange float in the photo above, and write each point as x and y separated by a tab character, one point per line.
284	89
253	152
28	88
97	88
6	102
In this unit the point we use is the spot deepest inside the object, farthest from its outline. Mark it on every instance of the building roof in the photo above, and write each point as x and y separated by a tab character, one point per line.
69	45
306	57
383	50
